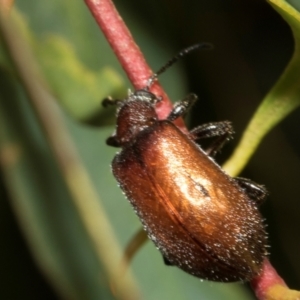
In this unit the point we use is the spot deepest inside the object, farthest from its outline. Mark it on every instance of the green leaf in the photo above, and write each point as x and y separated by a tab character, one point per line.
41	202
78	89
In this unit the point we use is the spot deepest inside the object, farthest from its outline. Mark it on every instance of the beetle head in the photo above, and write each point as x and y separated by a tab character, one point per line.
134	114
137	111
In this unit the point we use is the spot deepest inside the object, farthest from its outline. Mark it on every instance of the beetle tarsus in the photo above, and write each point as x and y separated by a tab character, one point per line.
182	107
110	101
217	145
167	262
112	141
214	129
255	191
223	130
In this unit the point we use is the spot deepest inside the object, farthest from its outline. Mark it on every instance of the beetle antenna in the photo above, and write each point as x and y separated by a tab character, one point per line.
175	58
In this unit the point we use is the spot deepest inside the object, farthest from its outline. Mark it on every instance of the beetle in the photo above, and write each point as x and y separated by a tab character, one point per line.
201	219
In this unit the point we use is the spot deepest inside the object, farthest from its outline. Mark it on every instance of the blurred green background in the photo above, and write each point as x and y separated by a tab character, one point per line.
45	252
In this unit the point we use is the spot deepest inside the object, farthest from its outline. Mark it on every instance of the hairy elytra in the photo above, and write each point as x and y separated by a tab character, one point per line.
202	220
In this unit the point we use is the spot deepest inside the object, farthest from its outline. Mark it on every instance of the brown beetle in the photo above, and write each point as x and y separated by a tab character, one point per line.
202	220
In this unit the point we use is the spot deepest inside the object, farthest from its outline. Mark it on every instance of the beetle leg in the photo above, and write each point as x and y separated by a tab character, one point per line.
182	107
215	129
255	192
167	262
110	101
112	141
223	130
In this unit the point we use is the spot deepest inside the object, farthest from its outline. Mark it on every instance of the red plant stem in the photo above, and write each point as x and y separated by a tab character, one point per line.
268	278
128	53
